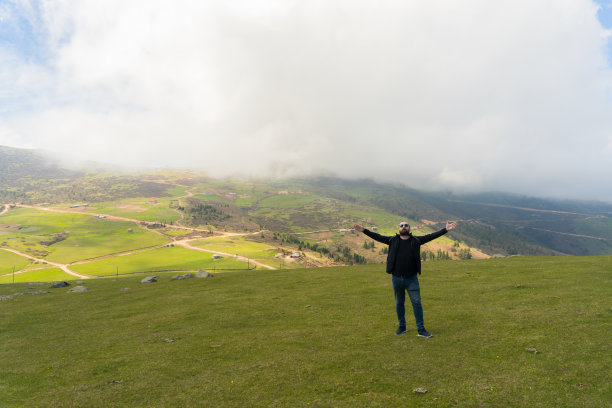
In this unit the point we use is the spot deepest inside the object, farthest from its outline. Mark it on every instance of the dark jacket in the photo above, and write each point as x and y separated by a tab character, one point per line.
415	246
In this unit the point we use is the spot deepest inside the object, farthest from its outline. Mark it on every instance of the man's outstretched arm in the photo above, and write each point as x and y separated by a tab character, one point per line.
449	227
373	235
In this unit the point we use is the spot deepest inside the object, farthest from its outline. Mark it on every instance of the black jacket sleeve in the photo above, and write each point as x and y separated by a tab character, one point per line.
377	237
426	238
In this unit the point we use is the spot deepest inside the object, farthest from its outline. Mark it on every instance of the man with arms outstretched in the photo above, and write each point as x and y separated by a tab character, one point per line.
404	263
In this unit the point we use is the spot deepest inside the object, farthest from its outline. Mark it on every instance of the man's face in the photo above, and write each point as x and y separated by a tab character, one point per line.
404	228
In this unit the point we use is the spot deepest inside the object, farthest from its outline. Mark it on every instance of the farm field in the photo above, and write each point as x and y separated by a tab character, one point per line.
38	275
83	236
318	337
257	251
9	260
166	258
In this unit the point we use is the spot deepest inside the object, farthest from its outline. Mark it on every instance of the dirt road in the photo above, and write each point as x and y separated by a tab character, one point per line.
185	244
63	267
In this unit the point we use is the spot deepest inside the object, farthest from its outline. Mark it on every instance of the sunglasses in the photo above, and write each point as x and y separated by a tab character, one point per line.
404	225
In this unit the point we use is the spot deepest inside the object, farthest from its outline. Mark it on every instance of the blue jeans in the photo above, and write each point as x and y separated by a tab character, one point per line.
410	285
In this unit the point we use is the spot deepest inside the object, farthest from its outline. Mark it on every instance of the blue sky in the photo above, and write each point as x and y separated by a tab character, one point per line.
512	96
18	32
605	18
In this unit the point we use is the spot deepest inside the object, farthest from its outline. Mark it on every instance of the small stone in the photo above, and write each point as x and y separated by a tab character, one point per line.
177	277
215	346
307	306
149	279
170	340
188	275
62	284
204	274
532	350
8	297
420	391
79	282
115	382
124	289
78	289
41	292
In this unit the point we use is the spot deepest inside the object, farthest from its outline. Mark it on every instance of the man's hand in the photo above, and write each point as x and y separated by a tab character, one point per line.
358	227
450	225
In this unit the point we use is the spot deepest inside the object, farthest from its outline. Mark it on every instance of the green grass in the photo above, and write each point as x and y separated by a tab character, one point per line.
87	237
318	338
237	245
38	275
166	258
135	208
9	260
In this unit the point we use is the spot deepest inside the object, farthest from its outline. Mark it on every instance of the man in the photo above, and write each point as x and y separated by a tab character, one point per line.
404	263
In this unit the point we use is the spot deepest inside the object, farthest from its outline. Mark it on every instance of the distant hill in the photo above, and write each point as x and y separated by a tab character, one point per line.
495	223
28	176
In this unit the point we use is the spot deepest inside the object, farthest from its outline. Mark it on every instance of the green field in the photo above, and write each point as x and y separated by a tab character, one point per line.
9	260
135	208
318	338
167	258
86	236
238	245
38	275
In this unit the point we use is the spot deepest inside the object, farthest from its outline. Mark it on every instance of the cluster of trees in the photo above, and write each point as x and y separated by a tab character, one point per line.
345	255
439	255
464	253
202	213
368	244
54	238
339	254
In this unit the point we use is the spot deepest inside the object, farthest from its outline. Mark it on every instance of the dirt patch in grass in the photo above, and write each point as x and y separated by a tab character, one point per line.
130	207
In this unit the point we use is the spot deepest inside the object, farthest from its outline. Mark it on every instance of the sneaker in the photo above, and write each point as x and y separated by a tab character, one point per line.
424	333
400	330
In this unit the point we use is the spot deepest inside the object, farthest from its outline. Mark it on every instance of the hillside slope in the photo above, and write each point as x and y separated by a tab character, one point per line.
318	337
302	209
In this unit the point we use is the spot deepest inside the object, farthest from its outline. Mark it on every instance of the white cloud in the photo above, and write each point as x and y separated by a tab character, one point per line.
471	95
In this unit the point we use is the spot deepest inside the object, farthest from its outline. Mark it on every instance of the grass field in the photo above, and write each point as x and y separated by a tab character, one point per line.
86	237
237	245
165	258
318	338
135	208
38	275
9	260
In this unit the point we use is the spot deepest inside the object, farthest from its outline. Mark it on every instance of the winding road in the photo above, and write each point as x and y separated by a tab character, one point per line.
63	267
185	243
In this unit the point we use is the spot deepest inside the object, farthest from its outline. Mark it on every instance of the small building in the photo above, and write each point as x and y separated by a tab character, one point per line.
101	216
75	205
130	230
216	256
343	230
296	255
152	201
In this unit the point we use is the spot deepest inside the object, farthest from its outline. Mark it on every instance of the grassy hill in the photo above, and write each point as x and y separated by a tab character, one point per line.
48	222
318	337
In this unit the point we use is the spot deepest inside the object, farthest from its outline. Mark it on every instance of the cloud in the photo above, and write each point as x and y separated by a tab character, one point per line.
478	95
